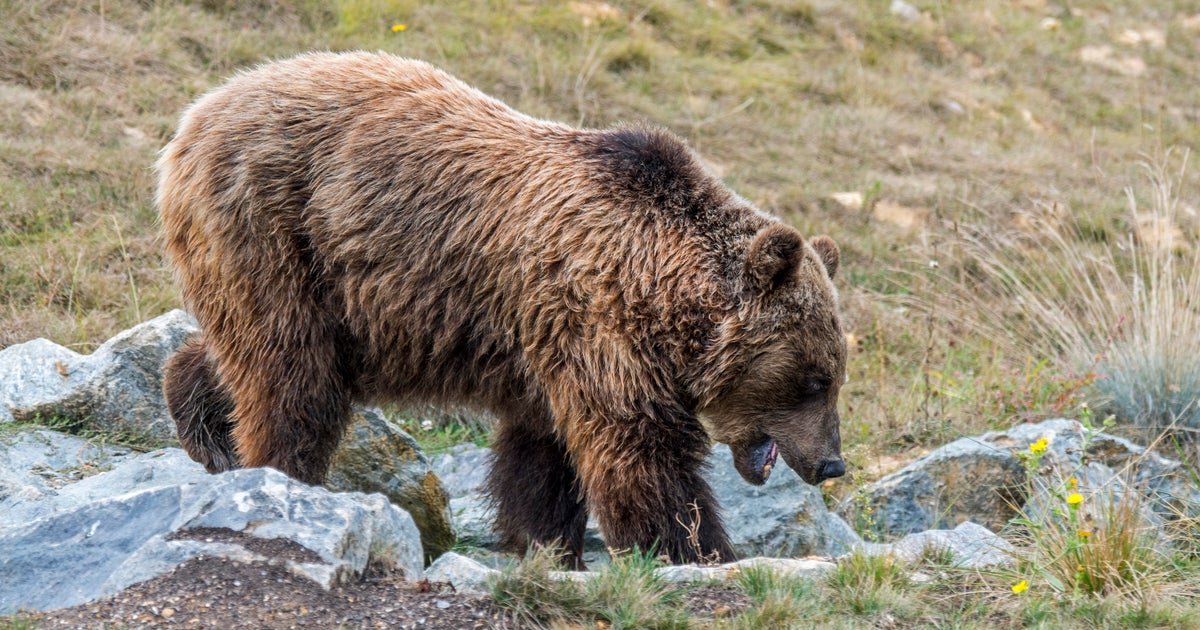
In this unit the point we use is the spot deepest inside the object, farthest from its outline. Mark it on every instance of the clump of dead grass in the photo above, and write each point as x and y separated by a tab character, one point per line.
1116	311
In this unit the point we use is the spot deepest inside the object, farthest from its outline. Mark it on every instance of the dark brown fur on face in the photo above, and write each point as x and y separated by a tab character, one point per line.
361	227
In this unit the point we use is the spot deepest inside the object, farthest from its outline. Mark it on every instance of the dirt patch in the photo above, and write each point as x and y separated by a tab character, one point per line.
221	593
717	602
274	548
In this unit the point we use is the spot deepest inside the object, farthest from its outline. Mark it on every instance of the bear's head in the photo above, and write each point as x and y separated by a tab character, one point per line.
781	360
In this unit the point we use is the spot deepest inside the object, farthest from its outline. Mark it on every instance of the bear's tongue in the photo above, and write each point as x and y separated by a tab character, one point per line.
768	460
755	461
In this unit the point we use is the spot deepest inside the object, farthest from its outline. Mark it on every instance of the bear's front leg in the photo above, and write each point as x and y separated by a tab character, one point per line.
646	489
536	491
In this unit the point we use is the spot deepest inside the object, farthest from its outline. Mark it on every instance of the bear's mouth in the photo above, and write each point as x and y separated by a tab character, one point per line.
755	462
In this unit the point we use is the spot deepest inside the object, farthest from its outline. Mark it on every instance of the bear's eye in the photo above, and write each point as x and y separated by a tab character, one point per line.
811	389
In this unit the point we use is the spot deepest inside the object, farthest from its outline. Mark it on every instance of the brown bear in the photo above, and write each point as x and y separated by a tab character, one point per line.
363	227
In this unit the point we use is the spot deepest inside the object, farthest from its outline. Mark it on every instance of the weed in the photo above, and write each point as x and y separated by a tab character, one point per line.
626	594
869	584
532	595
1098	547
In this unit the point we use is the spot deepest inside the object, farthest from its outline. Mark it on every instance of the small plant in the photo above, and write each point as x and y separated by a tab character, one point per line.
1079	541
779	601
868	584
629	594
534	598
626	594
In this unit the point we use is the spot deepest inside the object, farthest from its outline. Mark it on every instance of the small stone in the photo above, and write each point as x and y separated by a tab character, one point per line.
901	216
441	604
168	612
905	11
952	106
848	200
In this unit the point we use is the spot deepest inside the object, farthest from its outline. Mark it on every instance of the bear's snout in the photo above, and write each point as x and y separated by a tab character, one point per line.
832	468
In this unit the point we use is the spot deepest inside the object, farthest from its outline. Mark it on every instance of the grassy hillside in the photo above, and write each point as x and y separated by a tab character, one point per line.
972	115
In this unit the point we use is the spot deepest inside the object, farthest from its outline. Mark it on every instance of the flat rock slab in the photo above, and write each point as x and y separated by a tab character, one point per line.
467	575
96	536
968	546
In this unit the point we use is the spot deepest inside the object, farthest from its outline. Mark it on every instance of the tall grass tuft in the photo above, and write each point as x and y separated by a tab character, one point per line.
1117	309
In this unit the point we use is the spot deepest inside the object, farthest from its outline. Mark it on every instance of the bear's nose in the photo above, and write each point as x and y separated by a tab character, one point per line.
833	468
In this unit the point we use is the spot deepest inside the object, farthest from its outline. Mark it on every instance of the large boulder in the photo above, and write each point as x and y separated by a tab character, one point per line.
983	479
783	517
378	456
77	541
116	389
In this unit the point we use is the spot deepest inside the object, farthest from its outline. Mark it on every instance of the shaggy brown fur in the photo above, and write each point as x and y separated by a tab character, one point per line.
360	227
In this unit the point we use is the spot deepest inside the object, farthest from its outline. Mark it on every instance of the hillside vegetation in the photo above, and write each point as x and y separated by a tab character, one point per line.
1008	179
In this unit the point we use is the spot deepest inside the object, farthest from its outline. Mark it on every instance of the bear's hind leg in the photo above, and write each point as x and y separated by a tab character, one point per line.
536	492
289	384
200	407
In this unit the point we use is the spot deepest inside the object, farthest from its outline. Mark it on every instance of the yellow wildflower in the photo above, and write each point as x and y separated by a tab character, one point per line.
1039	446
1020	587
1084	534
399	26
1073	482
1074	498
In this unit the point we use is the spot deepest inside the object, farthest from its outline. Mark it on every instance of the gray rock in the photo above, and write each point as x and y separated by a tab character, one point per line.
983	480
166	467
789	567
467	575
463	469
115	389
33	463
31	373
473	517
968	479
966	546
463	573
378	456
783	517
91	538
905	11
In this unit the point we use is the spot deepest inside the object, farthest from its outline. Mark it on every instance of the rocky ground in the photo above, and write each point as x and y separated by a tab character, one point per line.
97	533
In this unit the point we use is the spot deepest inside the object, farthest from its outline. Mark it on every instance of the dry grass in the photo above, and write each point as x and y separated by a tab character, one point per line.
1114	312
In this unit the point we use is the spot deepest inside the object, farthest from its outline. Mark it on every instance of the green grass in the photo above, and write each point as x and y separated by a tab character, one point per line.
16	622
790	101
137	441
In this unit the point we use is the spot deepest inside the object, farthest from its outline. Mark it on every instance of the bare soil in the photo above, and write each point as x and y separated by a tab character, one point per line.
225	594
221	593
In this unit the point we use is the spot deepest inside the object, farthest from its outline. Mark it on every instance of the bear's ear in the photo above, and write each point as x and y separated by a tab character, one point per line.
828	251
774	255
